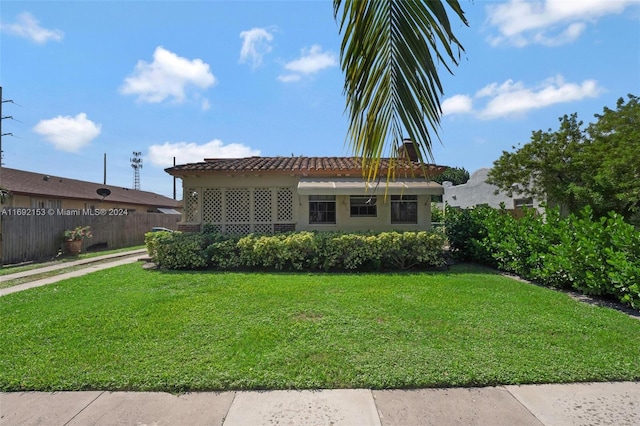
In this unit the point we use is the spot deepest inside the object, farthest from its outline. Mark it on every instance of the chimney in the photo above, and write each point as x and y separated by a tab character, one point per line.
408	150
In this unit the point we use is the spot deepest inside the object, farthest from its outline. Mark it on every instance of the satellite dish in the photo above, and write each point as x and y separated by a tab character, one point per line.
103	192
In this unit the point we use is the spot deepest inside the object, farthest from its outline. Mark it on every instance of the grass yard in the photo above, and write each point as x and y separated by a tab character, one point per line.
127	328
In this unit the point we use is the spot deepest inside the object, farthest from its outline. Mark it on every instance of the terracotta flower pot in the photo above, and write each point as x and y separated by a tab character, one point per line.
73	247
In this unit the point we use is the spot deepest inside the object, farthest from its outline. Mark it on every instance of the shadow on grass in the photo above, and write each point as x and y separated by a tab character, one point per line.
455	269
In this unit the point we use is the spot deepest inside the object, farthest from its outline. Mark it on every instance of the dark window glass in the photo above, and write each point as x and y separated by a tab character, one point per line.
363	206
322	209
404	209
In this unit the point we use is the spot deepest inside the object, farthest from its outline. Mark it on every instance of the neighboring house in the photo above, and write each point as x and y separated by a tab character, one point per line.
280	194
39	190
477	191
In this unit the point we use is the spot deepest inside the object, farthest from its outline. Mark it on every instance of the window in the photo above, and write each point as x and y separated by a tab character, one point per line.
41	203
38	204
322	209
520	203
363	206
404	209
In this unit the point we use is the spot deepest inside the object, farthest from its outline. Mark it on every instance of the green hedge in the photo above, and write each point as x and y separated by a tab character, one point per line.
597	257
299	251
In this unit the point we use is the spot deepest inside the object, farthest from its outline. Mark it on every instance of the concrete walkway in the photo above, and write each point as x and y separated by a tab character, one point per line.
114	259
571	404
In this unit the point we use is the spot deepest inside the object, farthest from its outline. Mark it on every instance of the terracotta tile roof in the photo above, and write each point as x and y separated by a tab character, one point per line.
298	165
47	186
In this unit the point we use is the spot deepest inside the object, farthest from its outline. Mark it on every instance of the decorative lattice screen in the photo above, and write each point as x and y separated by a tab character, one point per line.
262	205
240	210
237	202
263	228
216	228
191	205
238	229
285	204
212	206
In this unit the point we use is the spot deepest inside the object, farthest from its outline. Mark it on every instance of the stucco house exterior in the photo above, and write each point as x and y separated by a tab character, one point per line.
280	194
477	191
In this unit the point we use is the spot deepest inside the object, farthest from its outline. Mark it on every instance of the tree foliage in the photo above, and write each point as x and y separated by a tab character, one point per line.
455	175
4	195
390	54
596	166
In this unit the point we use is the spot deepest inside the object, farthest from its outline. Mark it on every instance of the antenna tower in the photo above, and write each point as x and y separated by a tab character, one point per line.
136	163
2	118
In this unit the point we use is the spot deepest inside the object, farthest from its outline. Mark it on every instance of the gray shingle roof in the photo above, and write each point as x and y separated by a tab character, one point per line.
39	184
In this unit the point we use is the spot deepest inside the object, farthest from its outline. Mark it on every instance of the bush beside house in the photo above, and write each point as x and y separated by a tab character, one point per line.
594	256
298	251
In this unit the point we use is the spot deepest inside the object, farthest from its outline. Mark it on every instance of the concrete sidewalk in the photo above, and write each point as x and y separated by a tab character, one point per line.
115	259
570	404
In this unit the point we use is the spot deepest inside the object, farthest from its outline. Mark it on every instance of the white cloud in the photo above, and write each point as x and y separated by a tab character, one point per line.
68	133
255	44
167	76
547	22
310	62
457	104
288	78
27	26
190	152
514	98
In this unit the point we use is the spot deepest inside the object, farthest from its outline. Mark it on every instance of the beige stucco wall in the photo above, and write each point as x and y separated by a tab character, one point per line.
66	204
344	221
301	204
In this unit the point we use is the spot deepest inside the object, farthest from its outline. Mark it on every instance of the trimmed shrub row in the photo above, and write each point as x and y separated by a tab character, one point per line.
597	257
299	251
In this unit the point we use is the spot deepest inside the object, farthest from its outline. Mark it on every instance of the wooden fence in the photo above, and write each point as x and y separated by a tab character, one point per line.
29	238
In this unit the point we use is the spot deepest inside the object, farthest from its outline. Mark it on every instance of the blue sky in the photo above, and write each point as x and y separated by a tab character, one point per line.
211	79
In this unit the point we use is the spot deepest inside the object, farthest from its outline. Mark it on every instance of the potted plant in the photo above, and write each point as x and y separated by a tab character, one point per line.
73	239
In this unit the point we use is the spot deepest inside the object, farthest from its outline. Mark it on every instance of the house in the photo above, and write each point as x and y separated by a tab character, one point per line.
477	191
42	191
280	194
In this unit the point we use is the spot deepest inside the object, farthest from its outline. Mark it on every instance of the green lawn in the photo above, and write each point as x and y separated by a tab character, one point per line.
129	329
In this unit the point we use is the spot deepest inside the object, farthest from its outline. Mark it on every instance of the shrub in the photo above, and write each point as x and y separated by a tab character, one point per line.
597	257
411	249
299	251
152	239
437	213
466	229
348	252
181	251
224	255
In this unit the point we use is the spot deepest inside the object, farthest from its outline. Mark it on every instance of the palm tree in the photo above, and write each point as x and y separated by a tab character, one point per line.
389	54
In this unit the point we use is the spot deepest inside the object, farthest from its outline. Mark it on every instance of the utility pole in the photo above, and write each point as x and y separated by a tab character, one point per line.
136	163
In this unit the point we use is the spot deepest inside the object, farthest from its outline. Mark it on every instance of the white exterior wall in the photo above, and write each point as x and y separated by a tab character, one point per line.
477	191
193	214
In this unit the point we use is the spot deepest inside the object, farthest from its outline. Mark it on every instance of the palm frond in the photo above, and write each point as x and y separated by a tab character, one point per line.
390	54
